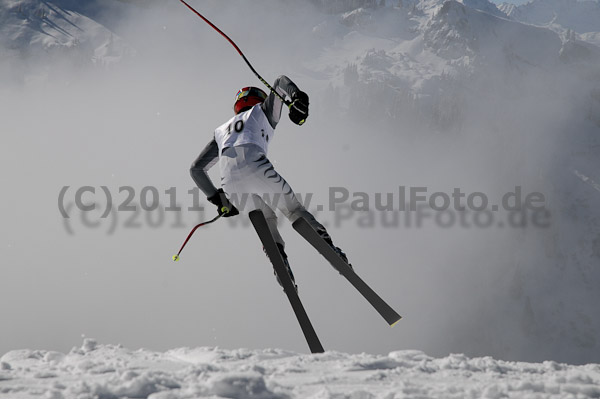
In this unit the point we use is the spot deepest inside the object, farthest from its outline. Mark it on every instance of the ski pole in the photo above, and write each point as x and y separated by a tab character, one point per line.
176	257
288	103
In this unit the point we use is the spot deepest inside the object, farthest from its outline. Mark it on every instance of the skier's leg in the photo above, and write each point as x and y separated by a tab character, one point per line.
271	219
274	187
319	228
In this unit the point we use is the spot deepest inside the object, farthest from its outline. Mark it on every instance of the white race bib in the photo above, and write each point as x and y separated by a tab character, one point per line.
250	127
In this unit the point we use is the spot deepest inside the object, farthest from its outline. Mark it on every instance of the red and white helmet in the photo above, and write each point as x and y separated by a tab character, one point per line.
248	97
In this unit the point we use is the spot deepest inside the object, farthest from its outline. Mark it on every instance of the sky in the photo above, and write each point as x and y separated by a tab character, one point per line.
134	128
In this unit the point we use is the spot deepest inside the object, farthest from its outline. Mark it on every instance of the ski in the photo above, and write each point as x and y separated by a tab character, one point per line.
309	233
262	229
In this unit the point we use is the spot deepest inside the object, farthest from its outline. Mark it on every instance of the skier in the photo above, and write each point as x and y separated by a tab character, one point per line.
248	178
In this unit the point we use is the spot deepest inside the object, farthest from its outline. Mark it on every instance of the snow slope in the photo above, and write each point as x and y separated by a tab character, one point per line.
580	16
429	58
31	28
107	371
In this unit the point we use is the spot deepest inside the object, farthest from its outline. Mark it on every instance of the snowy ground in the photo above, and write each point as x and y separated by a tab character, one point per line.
108	371
525	294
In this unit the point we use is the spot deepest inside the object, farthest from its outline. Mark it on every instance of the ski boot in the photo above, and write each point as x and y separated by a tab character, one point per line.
325	235
287	266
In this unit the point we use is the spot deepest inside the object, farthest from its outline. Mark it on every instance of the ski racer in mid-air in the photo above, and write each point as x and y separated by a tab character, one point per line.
248	178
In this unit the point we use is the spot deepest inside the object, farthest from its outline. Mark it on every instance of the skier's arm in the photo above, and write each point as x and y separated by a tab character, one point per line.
206	160
273	104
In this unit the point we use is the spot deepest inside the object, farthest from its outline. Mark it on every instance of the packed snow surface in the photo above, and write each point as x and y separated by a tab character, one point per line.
109	371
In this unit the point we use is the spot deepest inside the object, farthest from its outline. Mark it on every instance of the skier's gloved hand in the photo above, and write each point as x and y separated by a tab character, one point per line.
299	108
224	207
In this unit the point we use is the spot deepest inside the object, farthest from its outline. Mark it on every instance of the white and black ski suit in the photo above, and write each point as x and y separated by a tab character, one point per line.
248	178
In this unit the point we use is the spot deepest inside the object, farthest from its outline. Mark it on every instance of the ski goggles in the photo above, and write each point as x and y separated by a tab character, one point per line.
250	92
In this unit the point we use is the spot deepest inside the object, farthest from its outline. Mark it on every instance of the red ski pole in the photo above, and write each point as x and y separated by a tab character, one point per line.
288	103
176	257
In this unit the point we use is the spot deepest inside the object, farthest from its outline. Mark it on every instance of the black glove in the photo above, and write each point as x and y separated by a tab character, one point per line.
299	108
224	207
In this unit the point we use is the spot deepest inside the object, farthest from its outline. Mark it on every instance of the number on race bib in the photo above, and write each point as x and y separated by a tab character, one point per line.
238	126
